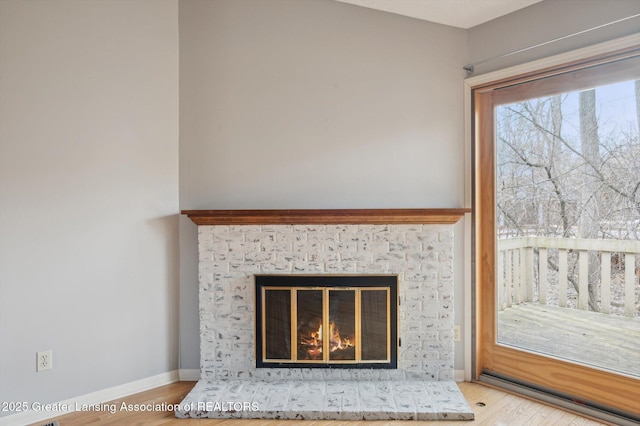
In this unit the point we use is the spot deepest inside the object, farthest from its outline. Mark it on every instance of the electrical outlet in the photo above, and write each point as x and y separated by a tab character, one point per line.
457	333
44	360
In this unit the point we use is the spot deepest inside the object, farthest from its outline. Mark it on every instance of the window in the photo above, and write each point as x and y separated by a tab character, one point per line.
525	192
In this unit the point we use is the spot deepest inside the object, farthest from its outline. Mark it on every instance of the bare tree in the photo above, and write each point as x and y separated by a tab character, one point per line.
591	182
581	181
637	84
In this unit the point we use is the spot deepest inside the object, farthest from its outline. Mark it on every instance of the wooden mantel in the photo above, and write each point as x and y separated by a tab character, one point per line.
326	217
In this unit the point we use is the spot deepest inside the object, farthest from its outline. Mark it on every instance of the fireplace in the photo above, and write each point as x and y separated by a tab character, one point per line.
326	321
302	314
417	256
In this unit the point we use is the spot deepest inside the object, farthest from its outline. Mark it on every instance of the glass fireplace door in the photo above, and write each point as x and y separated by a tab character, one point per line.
308	330
329	325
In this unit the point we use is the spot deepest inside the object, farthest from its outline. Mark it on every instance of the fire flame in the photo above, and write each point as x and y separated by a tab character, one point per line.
314	341
335	341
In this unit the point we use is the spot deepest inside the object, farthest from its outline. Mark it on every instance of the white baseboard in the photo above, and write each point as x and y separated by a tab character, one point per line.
93	398
189	375
458	375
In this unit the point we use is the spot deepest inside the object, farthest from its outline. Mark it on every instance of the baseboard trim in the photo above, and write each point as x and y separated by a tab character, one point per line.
563	401
189	375
93	398
458	375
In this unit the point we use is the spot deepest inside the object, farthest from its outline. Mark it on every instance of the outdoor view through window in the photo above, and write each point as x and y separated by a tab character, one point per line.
568	224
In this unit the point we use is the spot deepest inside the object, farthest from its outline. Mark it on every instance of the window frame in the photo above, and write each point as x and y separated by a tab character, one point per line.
558	74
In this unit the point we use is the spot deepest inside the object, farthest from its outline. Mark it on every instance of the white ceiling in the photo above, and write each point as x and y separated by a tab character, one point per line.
458	13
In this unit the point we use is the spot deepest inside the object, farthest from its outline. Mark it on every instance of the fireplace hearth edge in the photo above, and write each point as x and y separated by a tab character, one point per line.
326	400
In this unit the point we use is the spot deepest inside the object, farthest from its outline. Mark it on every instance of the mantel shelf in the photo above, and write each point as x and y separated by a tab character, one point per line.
326	217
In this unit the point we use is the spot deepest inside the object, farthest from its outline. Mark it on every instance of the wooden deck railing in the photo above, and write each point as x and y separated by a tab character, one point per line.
539	269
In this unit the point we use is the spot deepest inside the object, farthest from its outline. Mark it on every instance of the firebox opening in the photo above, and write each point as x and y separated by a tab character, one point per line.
326	321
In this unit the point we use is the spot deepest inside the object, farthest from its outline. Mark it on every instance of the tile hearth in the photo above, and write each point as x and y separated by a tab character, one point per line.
326	400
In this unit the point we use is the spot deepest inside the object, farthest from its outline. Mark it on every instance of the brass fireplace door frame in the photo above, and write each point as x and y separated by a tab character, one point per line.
325	325
385	283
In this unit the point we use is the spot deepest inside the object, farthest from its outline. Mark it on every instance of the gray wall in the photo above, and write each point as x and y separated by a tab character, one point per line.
546	21
313	104
88	194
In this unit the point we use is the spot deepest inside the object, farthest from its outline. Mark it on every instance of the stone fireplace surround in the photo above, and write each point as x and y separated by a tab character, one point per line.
414	244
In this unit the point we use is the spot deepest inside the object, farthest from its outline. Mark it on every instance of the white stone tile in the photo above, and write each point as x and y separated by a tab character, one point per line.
397	400
226	288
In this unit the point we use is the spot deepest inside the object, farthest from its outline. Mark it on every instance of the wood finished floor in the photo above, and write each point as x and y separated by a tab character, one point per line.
500	408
